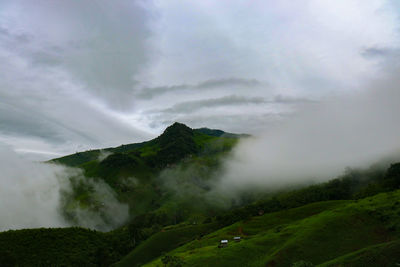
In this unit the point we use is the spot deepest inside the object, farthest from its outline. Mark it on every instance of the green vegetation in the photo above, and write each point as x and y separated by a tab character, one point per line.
165	240
316	233
352	220
60	247
384	254
133	171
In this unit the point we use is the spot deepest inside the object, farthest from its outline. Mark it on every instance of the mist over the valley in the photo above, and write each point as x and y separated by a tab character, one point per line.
34	194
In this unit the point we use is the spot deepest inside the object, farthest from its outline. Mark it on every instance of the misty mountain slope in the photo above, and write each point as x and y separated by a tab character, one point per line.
149	175
168	187
317	233
287	231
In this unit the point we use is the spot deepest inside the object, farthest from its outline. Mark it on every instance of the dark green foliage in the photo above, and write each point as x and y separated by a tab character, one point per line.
303	264
60	247
172	261
7	259
384	254
127	148
118	160
392	177
175	143
78	158
210	132
219	133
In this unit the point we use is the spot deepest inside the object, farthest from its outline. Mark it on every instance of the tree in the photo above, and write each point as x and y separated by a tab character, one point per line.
172	261
303	264
7	259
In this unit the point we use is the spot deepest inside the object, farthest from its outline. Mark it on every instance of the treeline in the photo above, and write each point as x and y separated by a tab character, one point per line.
62	247
355	184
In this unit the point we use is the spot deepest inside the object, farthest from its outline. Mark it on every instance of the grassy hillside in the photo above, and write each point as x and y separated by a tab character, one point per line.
352	220
384	254
320	233
166	240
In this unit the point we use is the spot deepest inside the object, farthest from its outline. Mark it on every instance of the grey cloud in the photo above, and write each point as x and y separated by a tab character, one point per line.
243	123
103	44
232	100
4	32
234	113
291	100
151	92
83	73
43	103
320	141
18	37
373	52
230	82
17	122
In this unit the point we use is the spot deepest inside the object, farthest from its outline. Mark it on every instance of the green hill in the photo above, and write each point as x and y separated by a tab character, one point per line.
176	142
330	233
133	171
351	220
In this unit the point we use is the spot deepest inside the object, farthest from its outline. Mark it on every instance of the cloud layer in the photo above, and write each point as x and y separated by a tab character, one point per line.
77	75
320	141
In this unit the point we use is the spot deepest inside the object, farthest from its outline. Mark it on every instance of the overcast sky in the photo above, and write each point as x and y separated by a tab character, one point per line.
76	75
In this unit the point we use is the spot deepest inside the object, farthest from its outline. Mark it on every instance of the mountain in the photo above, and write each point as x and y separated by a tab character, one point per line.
177	138
177	218
147	175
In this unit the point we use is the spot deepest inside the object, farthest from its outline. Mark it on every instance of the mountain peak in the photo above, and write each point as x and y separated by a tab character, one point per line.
176	142
177	126
175	131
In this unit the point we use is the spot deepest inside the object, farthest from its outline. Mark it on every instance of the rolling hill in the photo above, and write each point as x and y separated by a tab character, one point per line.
332	233
351	220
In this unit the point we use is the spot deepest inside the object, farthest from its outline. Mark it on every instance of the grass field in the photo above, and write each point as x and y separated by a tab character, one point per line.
165	241
330	233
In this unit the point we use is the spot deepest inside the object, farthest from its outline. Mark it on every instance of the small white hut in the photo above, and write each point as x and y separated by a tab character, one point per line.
223	243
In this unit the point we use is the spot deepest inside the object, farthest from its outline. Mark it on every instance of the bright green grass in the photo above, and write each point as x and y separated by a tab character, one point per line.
164	241
149	150
317	233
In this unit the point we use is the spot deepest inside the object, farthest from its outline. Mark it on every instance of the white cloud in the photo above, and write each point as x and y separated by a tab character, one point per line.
319	142
303	46
32	195
85	74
